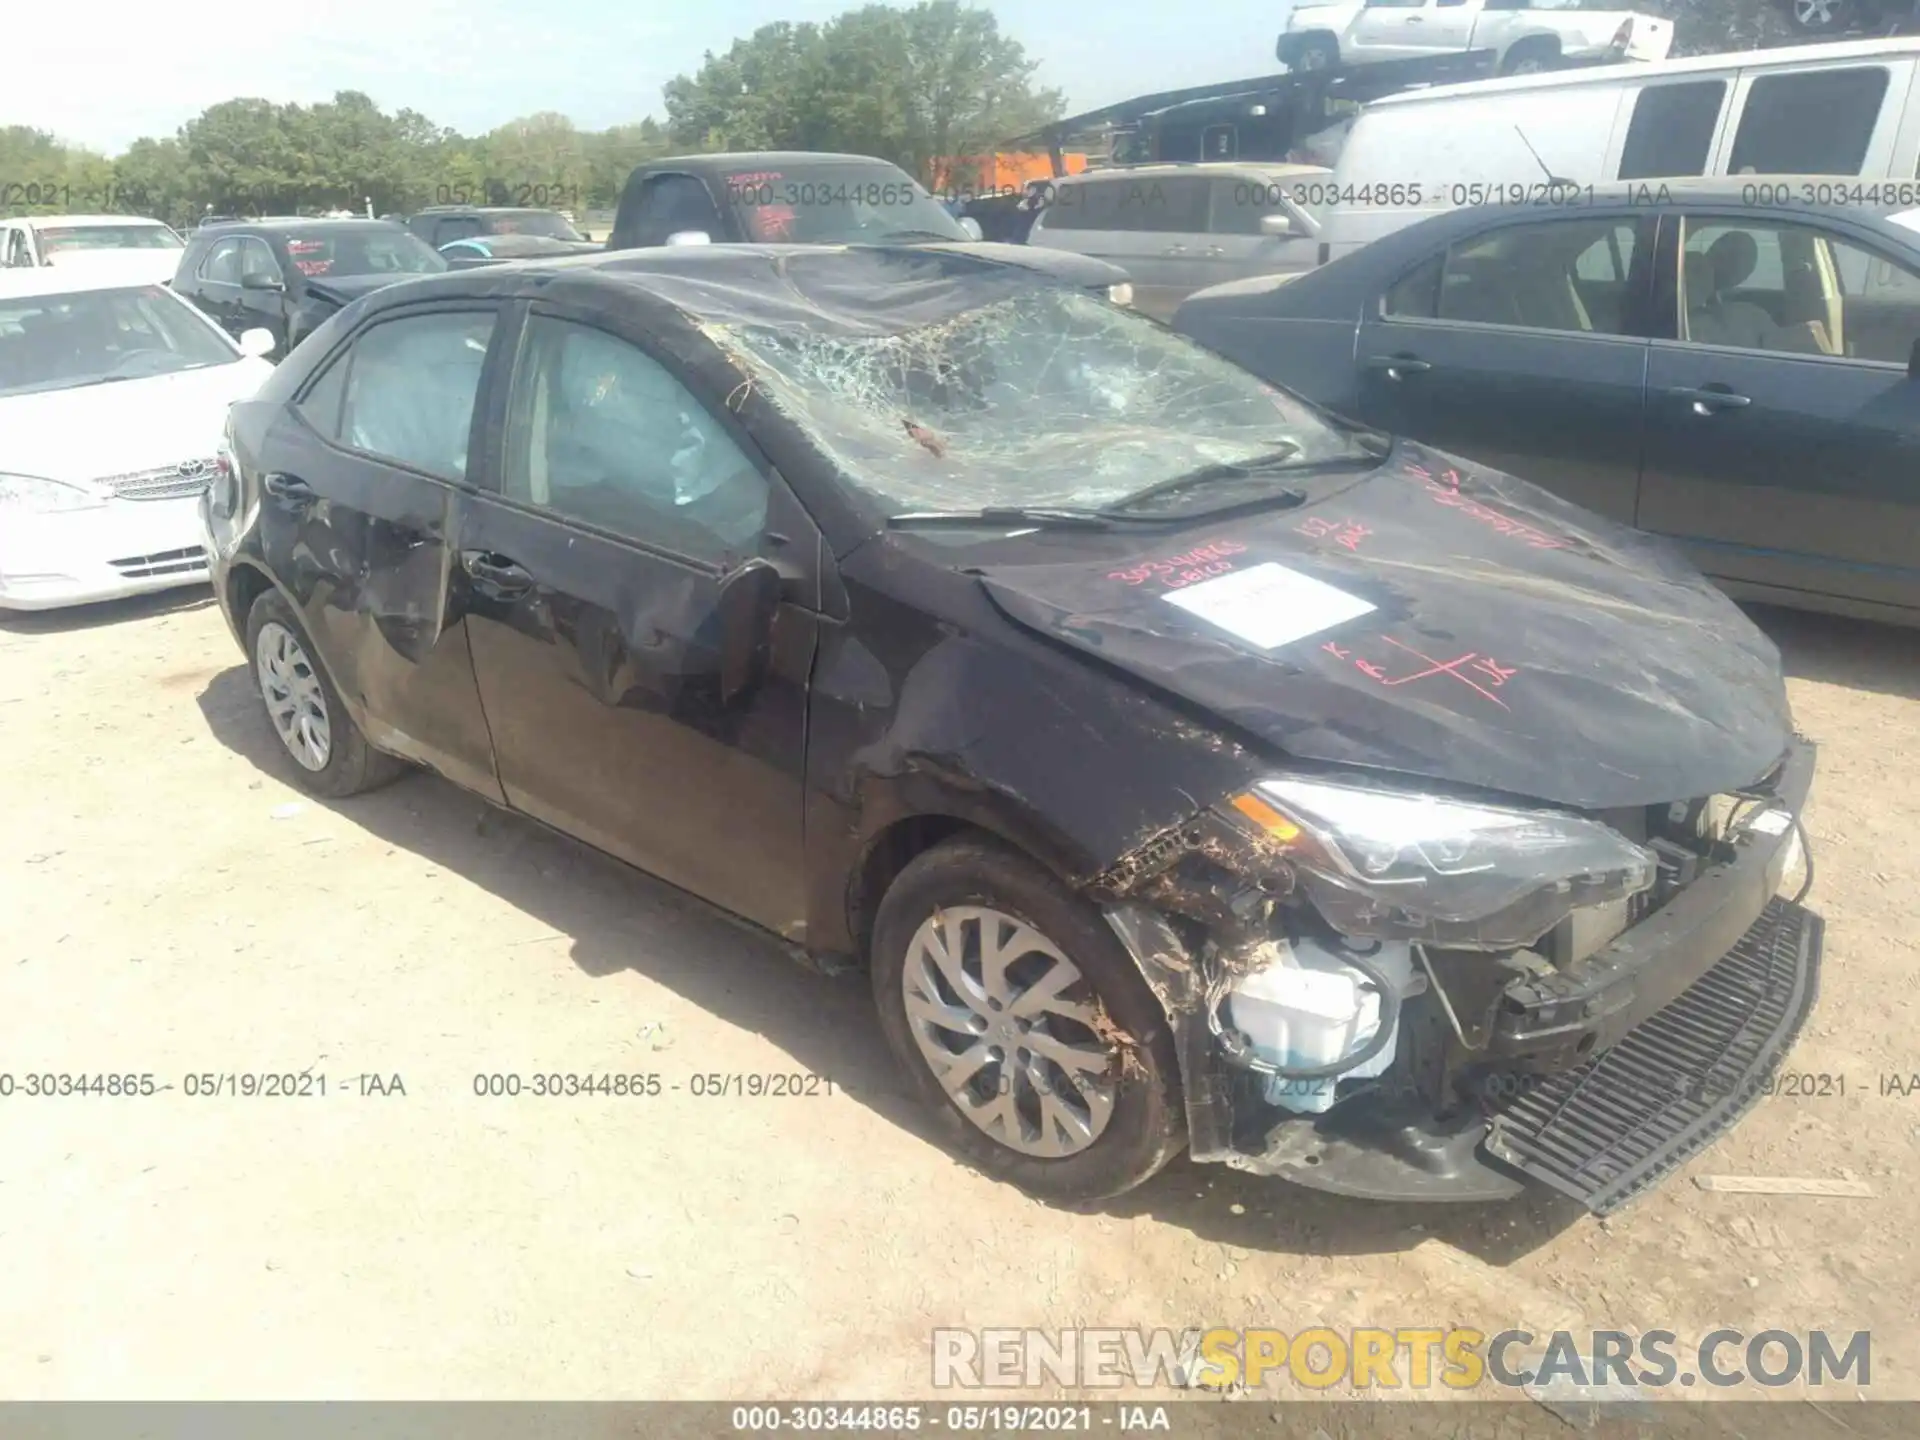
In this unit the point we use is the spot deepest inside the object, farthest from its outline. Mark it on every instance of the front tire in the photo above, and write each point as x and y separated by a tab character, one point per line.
331	757
1024	1025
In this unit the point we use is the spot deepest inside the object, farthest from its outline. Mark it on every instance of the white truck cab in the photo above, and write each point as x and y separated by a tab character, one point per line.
36	240
1525	36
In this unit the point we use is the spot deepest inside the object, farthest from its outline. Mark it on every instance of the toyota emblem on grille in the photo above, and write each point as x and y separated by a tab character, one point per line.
192	469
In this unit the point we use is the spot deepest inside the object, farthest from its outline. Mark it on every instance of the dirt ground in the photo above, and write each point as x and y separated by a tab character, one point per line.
170	904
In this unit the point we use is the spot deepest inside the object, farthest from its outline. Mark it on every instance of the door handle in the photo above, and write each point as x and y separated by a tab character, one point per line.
1397	367
495	575
1708	400
1215	250
287	487
1174	250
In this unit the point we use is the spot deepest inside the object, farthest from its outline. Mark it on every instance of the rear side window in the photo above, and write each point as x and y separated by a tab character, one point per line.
1671	132
411	389
1818	122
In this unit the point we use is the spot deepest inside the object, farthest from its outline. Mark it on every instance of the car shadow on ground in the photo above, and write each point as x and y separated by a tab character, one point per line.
616	918
1833	650
106	612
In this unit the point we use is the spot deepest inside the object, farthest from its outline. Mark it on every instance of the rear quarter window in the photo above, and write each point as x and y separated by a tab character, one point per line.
1815	122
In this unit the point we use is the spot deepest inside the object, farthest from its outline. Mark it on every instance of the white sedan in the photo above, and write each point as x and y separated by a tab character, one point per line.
113	403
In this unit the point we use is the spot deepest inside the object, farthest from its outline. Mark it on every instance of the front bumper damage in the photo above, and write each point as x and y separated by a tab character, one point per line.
1594	1078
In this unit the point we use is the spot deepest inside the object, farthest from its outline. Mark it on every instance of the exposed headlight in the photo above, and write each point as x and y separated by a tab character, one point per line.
1395	865
1121	294
35	495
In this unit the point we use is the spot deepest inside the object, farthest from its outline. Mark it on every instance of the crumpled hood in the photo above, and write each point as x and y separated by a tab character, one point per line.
1443	621
1075	269
344	289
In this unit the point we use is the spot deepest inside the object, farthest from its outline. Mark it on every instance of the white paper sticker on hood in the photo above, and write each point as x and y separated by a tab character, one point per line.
1269	605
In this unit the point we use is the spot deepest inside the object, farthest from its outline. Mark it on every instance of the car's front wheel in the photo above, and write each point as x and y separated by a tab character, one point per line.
1024	1025
331	756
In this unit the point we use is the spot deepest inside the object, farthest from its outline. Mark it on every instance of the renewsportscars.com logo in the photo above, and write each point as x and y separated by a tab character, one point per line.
1404	1359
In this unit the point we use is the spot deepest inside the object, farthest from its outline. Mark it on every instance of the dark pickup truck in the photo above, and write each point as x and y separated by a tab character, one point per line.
815	198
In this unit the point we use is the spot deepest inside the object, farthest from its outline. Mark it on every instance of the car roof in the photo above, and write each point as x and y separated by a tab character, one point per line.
297	222
1846	195
1637	71
37	221
860	290
1164	169
486	210
761	159
104	272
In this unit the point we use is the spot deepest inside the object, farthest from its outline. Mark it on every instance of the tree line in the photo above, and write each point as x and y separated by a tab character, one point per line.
909	84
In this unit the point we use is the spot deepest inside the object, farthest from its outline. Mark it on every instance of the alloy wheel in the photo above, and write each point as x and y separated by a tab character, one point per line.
295	701
1010	1028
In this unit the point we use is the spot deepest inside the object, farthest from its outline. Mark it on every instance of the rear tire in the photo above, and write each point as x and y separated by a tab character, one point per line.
1093	1108
331	758
1530	57
1819	17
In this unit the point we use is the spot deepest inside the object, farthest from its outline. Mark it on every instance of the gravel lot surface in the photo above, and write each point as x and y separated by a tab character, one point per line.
170	904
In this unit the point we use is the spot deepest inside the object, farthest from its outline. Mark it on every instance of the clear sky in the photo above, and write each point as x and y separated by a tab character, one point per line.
103	72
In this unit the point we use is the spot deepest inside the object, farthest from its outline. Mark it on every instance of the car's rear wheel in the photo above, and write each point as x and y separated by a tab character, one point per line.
1024	1025
1531	57
1818	17
331	757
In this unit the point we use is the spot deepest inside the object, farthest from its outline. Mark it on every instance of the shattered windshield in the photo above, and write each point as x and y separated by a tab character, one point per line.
1046	397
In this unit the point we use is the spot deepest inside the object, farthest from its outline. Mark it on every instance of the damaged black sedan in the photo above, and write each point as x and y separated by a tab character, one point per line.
1188	767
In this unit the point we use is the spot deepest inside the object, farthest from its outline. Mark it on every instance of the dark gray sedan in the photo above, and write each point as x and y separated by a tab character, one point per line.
1734	363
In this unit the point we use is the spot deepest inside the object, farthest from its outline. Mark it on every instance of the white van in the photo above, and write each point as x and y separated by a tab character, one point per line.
1838	109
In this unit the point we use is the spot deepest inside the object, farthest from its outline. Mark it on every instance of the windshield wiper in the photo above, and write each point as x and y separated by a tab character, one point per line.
991	515
1278	462
961	238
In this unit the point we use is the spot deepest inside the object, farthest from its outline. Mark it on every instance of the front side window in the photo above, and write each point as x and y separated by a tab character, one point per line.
1815	122
603	433
1796	290
411	386
673	205
1563	275
222	265
1028	396
88	337
257	259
